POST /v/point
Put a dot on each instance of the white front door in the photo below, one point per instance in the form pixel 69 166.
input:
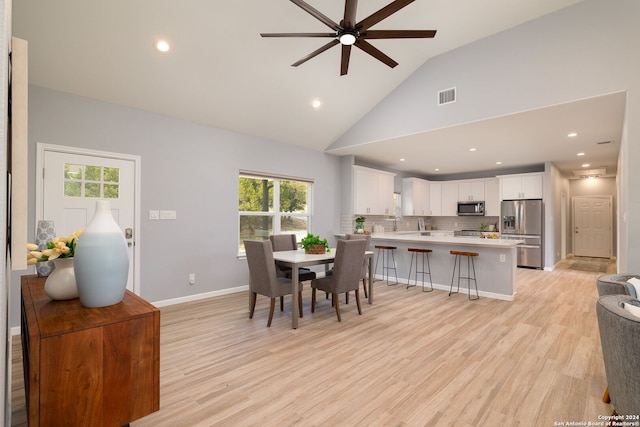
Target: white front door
pixel 73 181
pixel 592 226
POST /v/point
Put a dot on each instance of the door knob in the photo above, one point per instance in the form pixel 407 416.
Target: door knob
pixel 128 233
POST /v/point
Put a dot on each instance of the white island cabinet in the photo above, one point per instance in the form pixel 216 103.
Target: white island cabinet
pixel 495 264
pixel 373 191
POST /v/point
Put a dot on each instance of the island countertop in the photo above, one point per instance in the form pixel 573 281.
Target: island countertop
pixel 404 236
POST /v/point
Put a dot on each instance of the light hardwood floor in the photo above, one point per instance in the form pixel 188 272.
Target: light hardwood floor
pixel 411 359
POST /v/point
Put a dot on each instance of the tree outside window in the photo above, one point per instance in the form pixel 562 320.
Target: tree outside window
pixel 268 205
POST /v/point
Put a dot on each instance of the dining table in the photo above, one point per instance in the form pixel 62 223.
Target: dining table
pixel 298 258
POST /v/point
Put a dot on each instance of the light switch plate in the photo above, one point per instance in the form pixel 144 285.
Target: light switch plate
pixel 154 214
pixel 167 214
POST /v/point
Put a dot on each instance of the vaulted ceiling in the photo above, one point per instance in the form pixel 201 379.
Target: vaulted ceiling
pixel 220 72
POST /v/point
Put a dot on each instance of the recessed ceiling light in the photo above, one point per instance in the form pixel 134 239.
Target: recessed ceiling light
pixel 586 165
pixel 572 135
pixel 402 160
pixel 316 103
pixel 498 163
pixel 580 154
pixel 437 170
pixel 162 46
pixel 472 149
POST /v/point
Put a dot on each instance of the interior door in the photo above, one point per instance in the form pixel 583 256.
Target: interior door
pixel 73 182
pixel 592 226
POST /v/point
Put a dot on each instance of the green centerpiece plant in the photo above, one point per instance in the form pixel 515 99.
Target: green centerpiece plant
pixel 313 244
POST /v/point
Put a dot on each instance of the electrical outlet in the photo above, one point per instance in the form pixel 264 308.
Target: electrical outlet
pixel 503 258
pixel 192 279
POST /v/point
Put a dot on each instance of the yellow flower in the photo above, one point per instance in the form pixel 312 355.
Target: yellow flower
pixel 59 247
pixel 34 254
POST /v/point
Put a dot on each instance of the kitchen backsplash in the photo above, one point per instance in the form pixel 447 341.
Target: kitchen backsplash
pixel 410 223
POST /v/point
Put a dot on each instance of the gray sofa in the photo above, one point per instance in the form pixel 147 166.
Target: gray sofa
pixel 620 338
pixel 616 284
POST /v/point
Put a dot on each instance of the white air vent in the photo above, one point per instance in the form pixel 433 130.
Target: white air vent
pixel 590 173
pixel 447 96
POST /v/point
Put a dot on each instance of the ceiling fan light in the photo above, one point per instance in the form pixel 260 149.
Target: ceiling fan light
pixel 347 39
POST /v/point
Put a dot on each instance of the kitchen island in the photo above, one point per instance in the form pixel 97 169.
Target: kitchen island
pixel 495 264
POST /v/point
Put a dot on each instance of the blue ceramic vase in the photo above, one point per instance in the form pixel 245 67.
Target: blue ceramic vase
pixel 101 260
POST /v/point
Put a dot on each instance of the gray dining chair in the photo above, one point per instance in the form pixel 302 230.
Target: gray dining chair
pixel 363 276
pixel 288 242
pixel 263 279
pixel 347 269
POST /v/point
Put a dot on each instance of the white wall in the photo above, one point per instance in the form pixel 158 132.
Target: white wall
pixel 585 50
pixel 186 167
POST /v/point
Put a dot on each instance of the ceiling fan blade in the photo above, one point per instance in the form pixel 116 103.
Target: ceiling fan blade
pixel 398 34
pixel 317 14
pixel 298 34
pixel 316 52
pixel 346 54
pixel 376 53
pixel 350 7
pixel 383 13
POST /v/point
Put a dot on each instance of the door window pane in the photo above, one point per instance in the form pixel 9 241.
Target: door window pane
pixel 111 191
pixel 91 190
pixel 111 175
pixel 72 171
pixel 73 189
pixel 92 173
pixel 89 181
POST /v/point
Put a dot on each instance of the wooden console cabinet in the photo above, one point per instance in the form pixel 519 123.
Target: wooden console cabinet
pixel 96 367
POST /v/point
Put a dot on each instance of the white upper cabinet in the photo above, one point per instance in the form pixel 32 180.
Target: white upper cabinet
pixel 527 186
pixel 470 191
pixel 415 197
pixel 373 191
pixel 435 198
pixel 492 197
pixel 449 199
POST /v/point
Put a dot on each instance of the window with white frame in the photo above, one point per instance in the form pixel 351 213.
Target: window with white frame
pixel 269 204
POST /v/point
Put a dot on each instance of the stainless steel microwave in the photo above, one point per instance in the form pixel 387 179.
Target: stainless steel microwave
pixel 470 208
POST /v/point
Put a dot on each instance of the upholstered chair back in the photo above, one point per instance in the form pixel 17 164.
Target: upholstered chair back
pixel 620 337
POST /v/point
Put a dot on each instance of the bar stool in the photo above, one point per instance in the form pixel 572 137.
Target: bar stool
pixel 470 256
pixel 415 253
pixel 387 251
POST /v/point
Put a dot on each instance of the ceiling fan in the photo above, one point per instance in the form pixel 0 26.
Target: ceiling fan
pixel 351 33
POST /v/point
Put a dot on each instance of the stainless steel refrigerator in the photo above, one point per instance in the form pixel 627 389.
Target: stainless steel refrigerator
pixel 522 220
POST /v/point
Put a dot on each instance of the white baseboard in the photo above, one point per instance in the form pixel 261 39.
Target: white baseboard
pixel 198 297
pixel 440 287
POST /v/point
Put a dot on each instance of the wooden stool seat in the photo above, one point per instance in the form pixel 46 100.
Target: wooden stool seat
pixel 471 268
pixel 461 253
pixel 415 253
pixel 389 264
